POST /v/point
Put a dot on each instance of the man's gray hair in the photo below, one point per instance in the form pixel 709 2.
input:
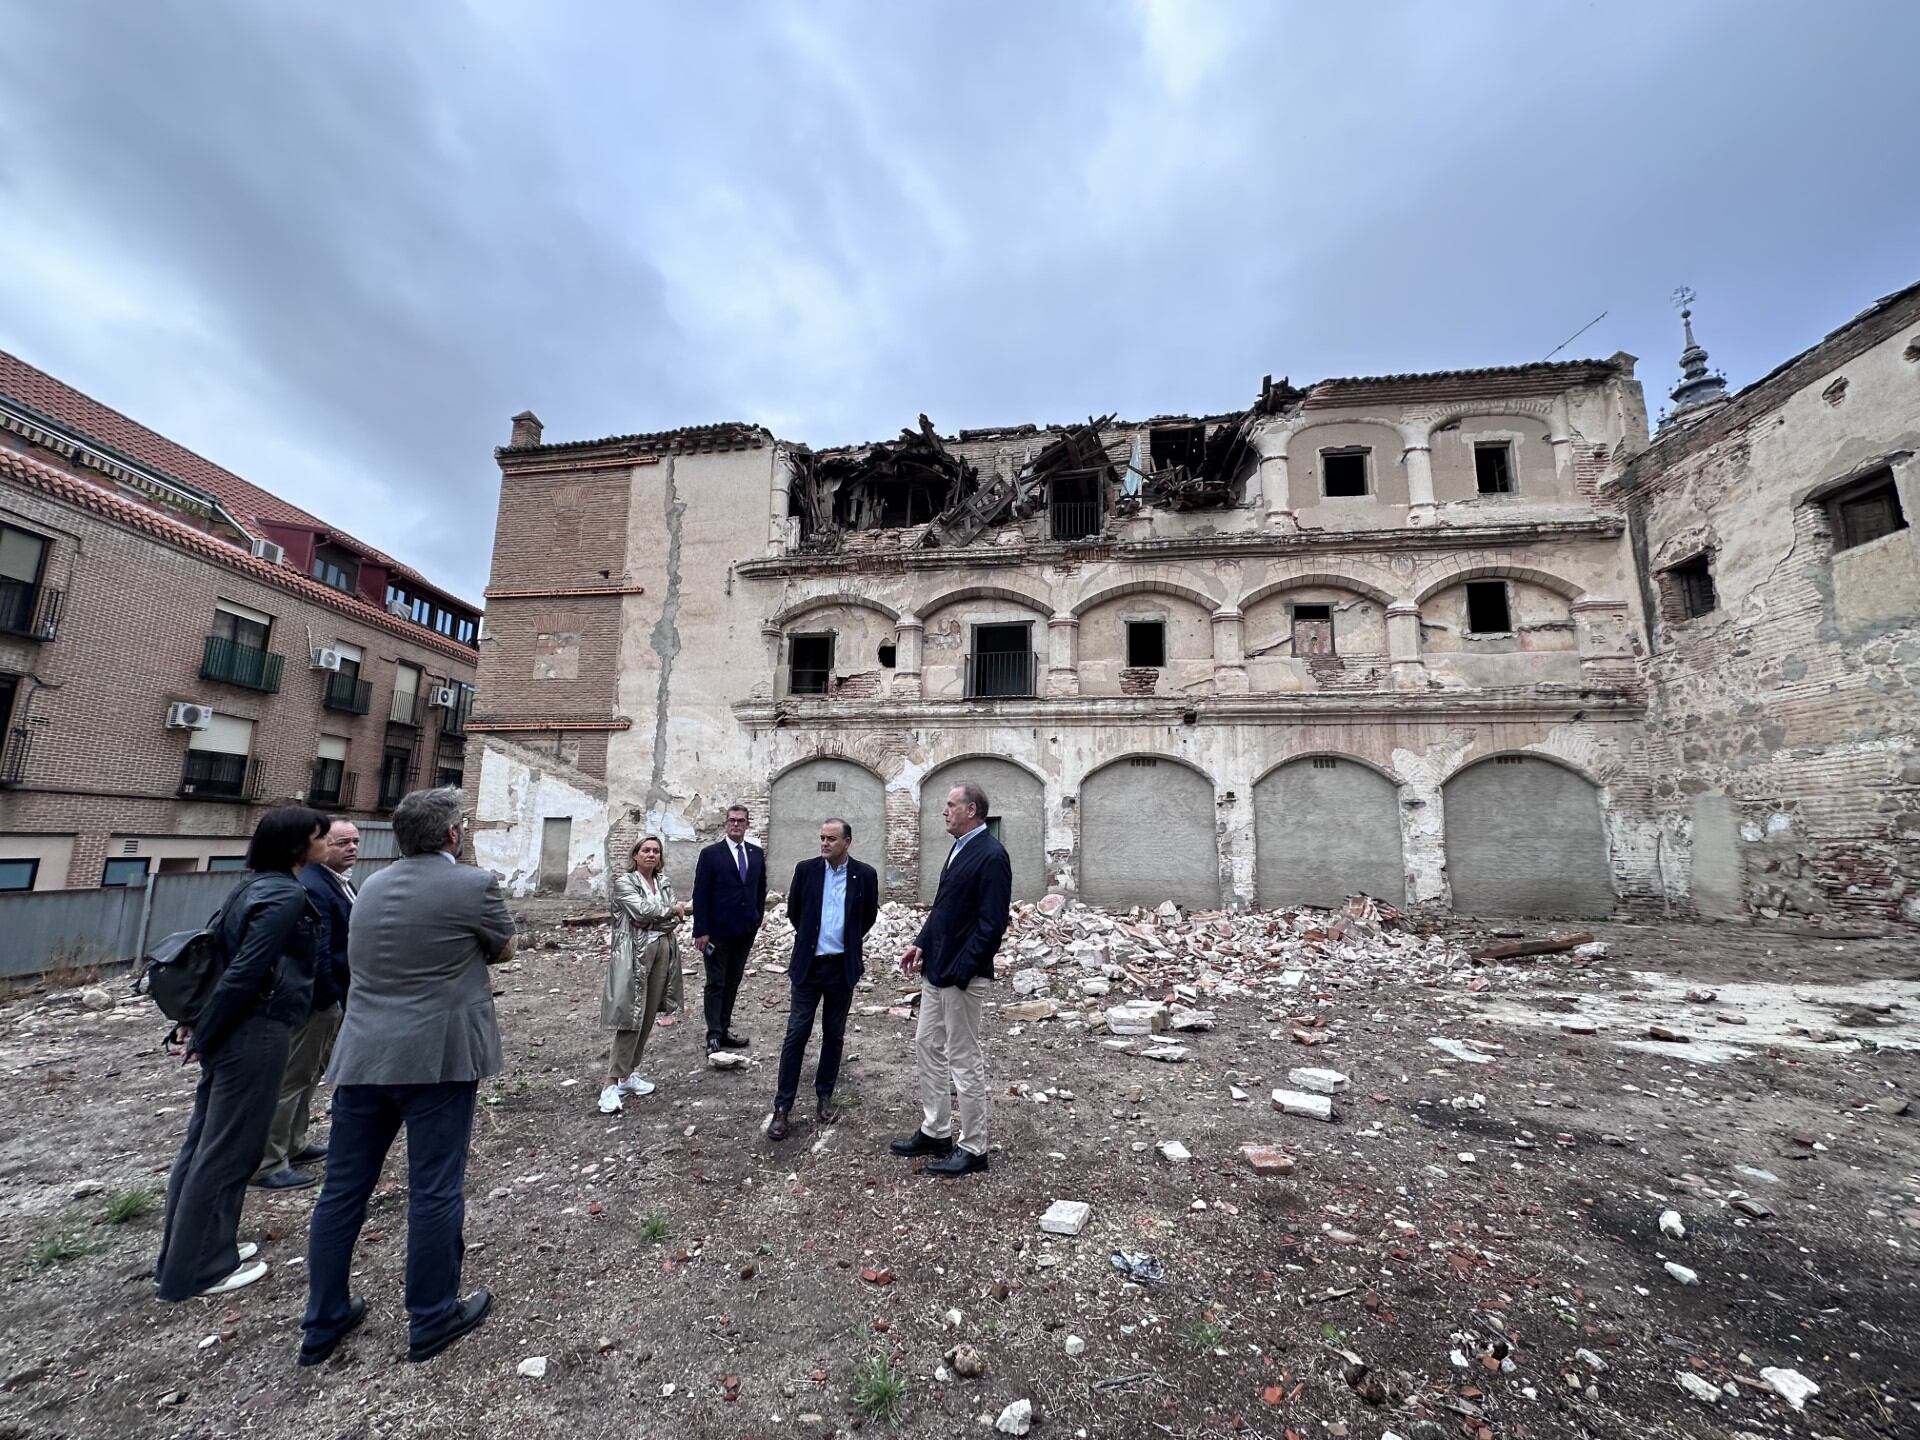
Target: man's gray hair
pixel 421 821
pixel 846 830
pixel 974 796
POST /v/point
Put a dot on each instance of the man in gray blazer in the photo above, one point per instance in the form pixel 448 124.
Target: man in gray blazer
pixel 417 1040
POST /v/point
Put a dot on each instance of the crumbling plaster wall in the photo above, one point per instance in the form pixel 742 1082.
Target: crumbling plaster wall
pixel 1784 724
pixel 516 791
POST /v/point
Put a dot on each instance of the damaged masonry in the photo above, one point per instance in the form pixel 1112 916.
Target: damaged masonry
pixel 1480 640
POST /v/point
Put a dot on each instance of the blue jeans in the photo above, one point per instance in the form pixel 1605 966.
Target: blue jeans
pixel 366 1118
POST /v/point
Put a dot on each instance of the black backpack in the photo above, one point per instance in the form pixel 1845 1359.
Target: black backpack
pixel 181 971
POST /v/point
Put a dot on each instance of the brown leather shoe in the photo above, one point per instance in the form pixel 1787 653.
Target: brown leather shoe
pixel 826 1110
pixel 777 1127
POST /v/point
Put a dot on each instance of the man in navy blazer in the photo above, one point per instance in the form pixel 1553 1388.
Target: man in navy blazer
pixel 832 903
pixel 332 893
pixel 729 899
pixel 954 955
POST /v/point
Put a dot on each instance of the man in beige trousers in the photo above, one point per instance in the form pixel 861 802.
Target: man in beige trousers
pixel 954 957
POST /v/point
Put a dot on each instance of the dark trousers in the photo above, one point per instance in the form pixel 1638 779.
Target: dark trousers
pixel 833 1002
pixel 439 1121
pixel 232 1112
pixel 724 968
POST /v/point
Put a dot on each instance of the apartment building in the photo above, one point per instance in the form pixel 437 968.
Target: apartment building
pixel 180 649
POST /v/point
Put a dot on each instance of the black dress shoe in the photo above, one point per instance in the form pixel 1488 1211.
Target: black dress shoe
pixel 733 1040
pixel 286 1178
pixel 960 1162
pixel 777 1127
pixel 308 1155
pixel 318 1354
pixel 826 1110
pixel 466 1315
pixel 921 1143
pixel 713 1044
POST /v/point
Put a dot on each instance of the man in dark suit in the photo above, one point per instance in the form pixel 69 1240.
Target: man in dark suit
pixel 954 955
pixel 729 899
pixel 287 1148
pixel 832 903
pixel 418 1037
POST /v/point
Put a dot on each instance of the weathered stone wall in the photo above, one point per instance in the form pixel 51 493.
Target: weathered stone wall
pixel 1783 724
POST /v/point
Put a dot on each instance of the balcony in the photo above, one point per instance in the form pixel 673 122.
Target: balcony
pixel 209 775
pixel 15 746
pixel 1073 519
pixel 1001 674
pixel 404 709
pixel 348 693
pixel 235 664
pixel 28 609
pixel 456 719
pixel 332 786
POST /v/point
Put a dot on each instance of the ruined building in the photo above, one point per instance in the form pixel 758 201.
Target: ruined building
pixel 1424 636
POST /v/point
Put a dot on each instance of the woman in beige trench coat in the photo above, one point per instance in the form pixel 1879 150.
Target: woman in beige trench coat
pixel 643 972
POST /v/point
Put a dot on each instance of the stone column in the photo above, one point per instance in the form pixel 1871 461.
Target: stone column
pixel 768 685
pixel 1601 634
pixel 1229 652
pixel 1560 437
pixel 909 635
pixel 1063 661
pixel 1423 840
pixel 1418 458
pixel 1403 646
pixel 1275 492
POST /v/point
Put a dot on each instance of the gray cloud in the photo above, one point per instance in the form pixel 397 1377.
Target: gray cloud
pixel 334 247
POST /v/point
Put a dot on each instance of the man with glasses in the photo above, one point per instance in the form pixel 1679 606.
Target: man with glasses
pixel 729 901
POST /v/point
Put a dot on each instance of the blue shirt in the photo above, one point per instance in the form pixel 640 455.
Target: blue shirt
pixel 833 912
pixel 960 844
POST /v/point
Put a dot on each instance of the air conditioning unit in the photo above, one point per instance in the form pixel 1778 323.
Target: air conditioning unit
pixel 324 659
pixel 182 716
pixel 444 697
pixel 268 551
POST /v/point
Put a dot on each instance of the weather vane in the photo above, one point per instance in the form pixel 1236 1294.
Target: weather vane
pixel 1683 298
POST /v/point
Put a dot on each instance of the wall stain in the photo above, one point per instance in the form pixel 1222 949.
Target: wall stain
pixel 666 641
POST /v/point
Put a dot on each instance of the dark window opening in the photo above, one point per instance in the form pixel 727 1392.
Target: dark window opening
pixel 1322 762
pixel 1002 664
pixel 1313 630
pixel 220 864
pixel 1488 612
pixel 1146 644
pixel 396 776
pixel 1690 587
pixel 992 822
pixel 125 872
pixel 1172 445
pixel 1493 468
pixel 336 567
pixel 18 874
pixel 888 655
pixel 1343 473
pixel 809 664
pixel 1865 511
pixel 1075 508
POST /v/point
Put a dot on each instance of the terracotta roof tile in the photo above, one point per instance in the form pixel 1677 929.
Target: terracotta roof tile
pixel 22 470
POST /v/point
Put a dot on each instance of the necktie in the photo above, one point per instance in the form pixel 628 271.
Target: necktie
pixel 740 854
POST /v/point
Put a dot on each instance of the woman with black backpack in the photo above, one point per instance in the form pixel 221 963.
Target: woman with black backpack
pixel 270 933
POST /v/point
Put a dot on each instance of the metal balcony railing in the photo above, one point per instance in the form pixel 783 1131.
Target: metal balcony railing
pixel 332 787
pixel 405 709
pixel 209 775
pixel 806 681
pixel 1074 519
pixel 1001 674
pixel 455 721
pixel 348 693
pixel 29 609
pixel 15 746
pixel 236 664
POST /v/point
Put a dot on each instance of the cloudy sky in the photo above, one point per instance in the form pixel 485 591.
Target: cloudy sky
pixel 333 246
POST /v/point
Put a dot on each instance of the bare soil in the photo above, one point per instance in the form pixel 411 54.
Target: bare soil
pixel 1428 1270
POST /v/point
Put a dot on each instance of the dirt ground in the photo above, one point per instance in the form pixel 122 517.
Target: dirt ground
pixel 1467 1249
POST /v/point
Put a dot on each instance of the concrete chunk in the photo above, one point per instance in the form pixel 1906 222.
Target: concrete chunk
pixel 1137 1017
pixel 1318 1081
pixel 1267 1160
pixel 1066 1217
pixel 1297 1102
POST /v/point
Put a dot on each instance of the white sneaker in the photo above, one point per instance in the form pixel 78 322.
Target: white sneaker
pixel 610 1100
pixel 241 1277
pixel 248 1251
pixel 637 1084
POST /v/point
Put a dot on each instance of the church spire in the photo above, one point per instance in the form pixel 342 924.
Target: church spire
pixel 1698 390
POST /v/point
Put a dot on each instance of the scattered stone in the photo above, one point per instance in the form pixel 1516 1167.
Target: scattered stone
pixel 727 1060
pixel 1051 905
pixel 1016 1419
pixel 966 1362
pixel 1234 1092
pixel 1066 1217
pixel 1029 982
pixel 1166 1054
pixel 1075 1347
pixel 88 1187
pixel 1589 1359
pixel 1182 1018
pixel 1267 1159
pixel 1750 1207
pixel 96 998
pixel 1031 1010
pixel 1682 1274
pixel 1174 1153
pixel 1295 1102
pixel 1662 1032
pixel 1095 985
pixel 1317 1081
pixel 1701 1390
pixel 1790 1385
pixel 534 1367
pixel 952 1319
pixel 1459 1050
pixel 1137 1017
pixel 1672 1226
